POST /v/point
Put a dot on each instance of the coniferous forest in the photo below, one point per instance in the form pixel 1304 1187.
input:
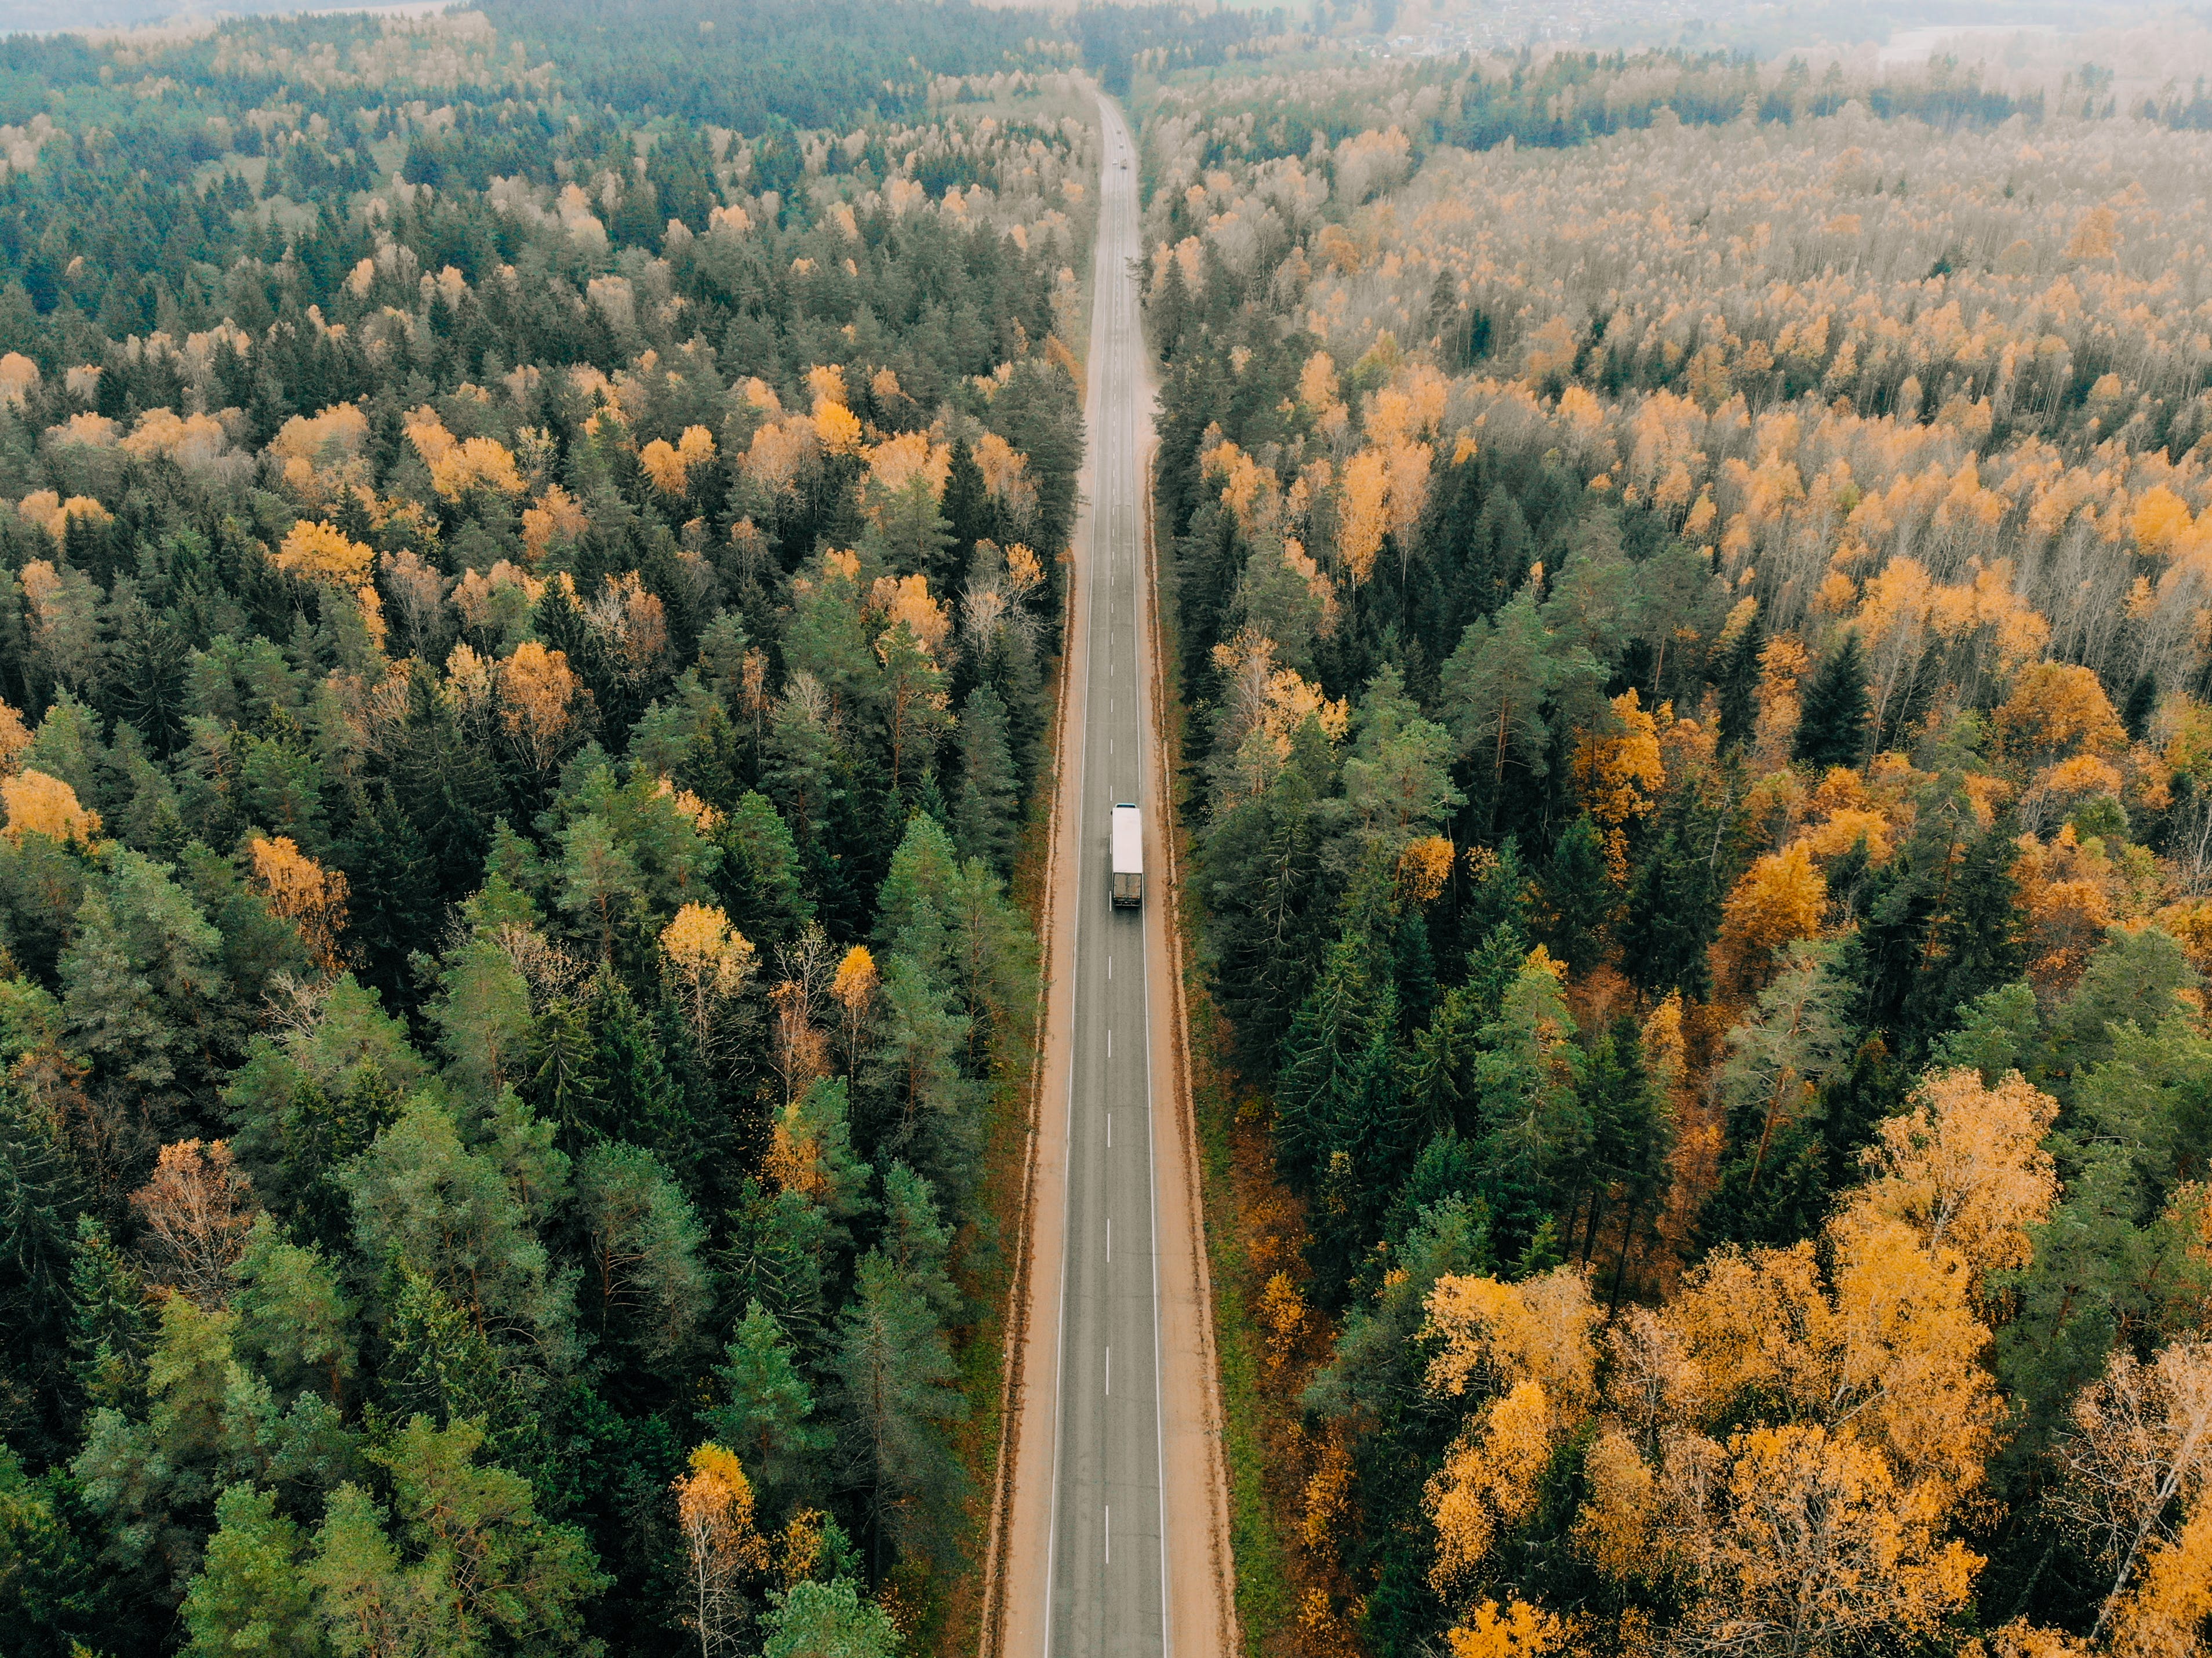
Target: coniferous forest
pixel 531 567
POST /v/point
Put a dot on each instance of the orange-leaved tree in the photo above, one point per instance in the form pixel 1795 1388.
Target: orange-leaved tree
pixel 304 893
pixel 196 1211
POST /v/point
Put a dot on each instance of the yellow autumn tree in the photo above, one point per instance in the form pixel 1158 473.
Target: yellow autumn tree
pixel 458 464
pixel 1965 1168
pixel 1525 1351
pixel 558 517
pixel 710 963
pixel 1425 866
pixel 39 804
pixel 1782 664
pixel 1779 900
pixel 541 701
pixel 853 989
pixel 14 738
pixel 1618 772
pixel 319 551
pixel 1872 1408
pixel 303 892
pixel 838 428
pixel 2069 895
pixel 1363 513
pixel 1283 1315
pixel 1819 1549
pixel 2057 710
pixel 1515 1630
pixel 670 465
pixel 2137 1494
pixel 723 1550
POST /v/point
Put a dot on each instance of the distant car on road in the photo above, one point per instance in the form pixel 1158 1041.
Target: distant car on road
pixel 1128 857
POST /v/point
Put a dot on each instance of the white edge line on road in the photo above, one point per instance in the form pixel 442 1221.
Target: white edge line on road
pixel 1151 1160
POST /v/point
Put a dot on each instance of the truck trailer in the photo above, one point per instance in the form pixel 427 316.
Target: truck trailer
pixel 1128 857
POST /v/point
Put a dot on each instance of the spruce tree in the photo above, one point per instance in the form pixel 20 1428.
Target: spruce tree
pixel 984 809
pixel 1739 685
pixel 968 519
pixel 766 1411
pixel 896 1368
pixel 2141 703
pixel 1674 911
pixel 758 879
pixel 1833 731
pixel 1578 897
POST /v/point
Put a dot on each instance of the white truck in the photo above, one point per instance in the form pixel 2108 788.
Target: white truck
pixel 1128 857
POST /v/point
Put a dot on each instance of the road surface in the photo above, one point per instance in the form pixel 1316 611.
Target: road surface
pixel 1115 1378
pixel 1109 1568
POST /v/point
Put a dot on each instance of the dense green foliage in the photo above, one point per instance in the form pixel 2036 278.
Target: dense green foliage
pixel 513 749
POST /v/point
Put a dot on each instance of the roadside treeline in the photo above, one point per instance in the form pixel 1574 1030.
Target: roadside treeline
pixel 1696 772
pixel 523 639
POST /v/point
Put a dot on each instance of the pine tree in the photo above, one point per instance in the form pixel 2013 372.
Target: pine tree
pixel 1739 678
pixel 1629 1140
pixel 2142 704
pixel 564 1083
pixel 1672 913
pixel 1320 1063
pixel 1271 886
pixel 108 1325
pixel 629 1079
pixel 252 1594
pixel 1170 307
pixel 1833 730
pixel 778 1243
pixel 143 990
pixel 1975 943
pixel 918 1240
pixel 461 1563
pixel 39 1198
pixel 644 1275
pixel 392 896
pixel 820 1620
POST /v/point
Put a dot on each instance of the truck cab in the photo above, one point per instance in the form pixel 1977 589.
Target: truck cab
pixel 1128 857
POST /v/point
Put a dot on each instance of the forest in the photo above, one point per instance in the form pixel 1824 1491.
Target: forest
pixel 531 562
pixel 1688 594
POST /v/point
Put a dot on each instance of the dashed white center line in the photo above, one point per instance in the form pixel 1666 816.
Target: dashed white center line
pixel 1109 1243
pixel 1110 1534
pixel 1110 1371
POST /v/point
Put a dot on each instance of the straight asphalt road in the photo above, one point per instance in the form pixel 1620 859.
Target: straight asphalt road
pixel 1108 1561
